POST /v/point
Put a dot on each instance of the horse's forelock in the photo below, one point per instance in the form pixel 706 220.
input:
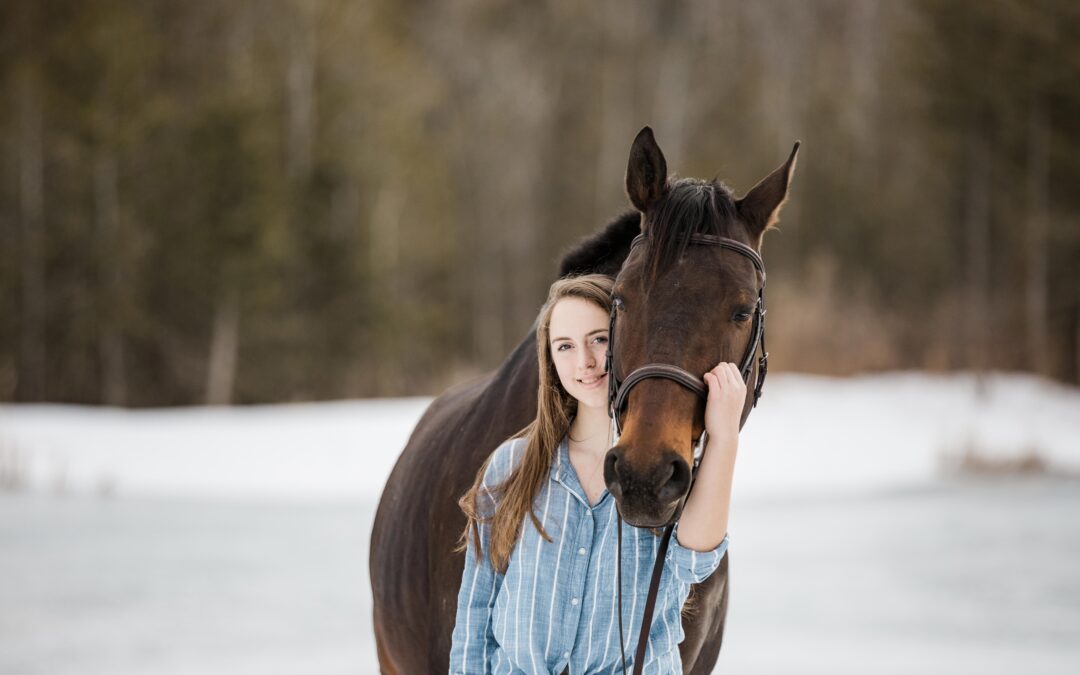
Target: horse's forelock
pixel 691 206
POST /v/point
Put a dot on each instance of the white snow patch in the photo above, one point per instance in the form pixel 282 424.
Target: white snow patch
pixel 304 451
pixel 809 435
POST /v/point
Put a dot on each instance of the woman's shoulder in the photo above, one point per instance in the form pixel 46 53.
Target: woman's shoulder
pixel 504 459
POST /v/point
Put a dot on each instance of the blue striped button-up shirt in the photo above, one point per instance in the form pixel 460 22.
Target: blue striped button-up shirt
pixel 556 605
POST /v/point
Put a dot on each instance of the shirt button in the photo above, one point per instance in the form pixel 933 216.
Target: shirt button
pixel 566 655
pixel 581 551
pixel 574 601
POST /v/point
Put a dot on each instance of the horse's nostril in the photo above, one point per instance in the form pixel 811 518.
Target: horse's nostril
pixel 611 462
pixel 611 477
pixel 664 475
pixel 674 485
pixel 665 482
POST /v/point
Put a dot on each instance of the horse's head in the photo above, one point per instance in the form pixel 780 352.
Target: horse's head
pixel 685 305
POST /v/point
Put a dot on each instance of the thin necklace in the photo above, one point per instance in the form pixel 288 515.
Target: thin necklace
pixel 576 440
pixel 580 440
pixel 607 433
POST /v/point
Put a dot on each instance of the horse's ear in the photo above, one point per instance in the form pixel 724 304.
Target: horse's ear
pixel 646 172
pixel 760 208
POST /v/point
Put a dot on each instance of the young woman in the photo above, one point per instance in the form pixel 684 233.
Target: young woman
pixel 541 597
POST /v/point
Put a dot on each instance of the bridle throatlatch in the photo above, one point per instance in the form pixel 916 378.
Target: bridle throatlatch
pixel 618 391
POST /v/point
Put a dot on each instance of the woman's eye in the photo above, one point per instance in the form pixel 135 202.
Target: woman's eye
pixel 600 339
pixel 561 345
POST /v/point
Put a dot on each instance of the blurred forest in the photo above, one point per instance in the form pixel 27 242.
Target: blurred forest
pixel 275 200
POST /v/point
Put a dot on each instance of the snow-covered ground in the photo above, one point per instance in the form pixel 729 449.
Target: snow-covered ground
pixel 235 540
pixel 809 435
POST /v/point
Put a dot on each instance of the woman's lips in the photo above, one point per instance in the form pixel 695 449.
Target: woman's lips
pixel 594 384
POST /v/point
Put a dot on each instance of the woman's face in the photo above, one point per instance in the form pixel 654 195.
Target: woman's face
pixel 578 341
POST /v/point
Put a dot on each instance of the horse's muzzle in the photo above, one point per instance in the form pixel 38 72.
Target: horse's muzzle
pixel 648 496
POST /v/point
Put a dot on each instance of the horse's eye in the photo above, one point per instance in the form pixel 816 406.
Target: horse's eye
pixel 742 316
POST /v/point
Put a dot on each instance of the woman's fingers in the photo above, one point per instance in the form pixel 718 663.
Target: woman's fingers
pixel 733 370
pixel 725 373
pixel 726 399
pixel 713 379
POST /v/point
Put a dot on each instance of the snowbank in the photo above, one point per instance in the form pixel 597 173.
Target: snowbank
pixel 809 435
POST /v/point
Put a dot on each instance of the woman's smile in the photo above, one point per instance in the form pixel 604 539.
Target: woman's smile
pixel 592 383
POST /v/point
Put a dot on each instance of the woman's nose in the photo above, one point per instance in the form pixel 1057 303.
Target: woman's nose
pixel 588 359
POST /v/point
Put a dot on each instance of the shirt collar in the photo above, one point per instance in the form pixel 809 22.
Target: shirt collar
pixel 562 457
pixel 562 472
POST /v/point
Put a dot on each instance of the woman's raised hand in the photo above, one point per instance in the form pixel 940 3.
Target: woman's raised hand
pixel 705 516
pixel 727 396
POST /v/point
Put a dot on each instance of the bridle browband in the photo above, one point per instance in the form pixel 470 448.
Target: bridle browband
pixel 619 391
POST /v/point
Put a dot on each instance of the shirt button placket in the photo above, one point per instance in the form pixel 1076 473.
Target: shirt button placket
pixel 581 574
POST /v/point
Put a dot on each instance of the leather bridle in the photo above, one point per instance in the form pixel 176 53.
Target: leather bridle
pixel 618 391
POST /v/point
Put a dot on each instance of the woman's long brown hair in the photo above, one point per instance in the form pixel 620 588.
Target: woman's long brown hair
pixel 555 408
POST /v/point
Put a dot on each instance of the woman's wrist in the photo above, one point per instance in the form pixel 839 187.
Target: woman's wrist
pixel 723 442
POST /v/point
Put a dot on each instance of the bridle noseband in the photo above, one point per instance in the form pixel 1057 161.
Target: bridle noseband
pixel 618 391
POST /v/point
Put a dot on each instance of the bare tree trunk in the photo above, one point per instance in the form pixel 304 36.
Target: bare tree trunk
pixel 300 96
pixel 224 349
pixel 242 59
pixel 384 249
pixel 865 58
pixel 32 385
pixel 385 231
pixel 676 54
pixel 520 204
pixel 1037 214
pixel 620 26
pixel 345 212
pixel 111 265
pixel 521 235
pixel 977 250
pixel 488 295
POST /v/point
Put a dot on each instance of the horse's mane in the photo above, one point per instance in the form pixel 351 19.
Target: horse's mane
pixel 697 206
pixel 605 251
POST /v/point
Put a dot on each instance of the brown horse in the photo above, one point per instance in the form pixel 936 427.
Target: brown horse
pixel 684 305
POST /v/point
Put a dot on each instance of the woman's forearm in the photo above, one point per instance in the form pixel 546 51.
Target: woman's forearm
pixel 704 519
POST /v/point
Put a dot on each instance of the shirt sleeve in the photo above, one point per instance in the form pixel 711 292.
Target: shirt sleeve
pixel 692 566
pixel 473 640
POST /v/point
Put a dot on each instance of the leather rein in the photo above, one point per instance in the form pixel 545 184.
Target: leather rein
pixel 618 391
